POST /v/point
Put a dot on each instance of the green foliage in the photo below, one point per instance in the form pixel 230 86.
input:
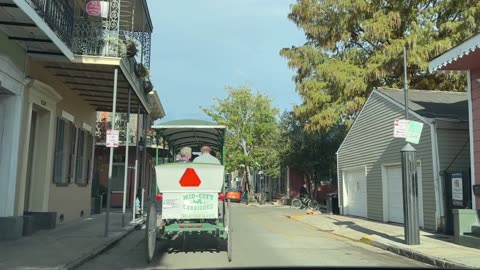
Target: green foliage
pixel 354 46
pixel 311 152
pixel 252 130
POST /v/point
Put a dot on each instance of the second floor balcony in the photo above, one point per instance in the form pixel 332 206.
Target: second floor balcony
pixel 119 36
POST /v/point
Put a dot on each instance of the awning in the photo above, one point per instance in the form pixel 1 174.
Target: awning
pixel 192 133
pixel 462 57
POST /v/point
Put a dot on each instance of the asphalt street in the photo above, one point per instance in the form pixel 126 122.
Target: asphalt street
pixel 262 237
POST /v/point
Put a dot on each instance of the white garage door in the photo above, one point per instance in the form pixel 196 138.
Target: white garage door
pixel 355 187
pixel 395 194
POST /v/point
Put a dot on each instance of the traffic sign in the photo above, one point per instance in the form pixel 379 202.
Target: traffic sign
pixel 112 138
pixel 190 178
pixel 414 131
pixel 97 8
pixel 400 128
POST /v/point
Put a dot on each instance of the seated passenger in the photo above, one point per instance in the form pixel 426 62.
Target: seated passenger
pixel 185 154
pixel 206 157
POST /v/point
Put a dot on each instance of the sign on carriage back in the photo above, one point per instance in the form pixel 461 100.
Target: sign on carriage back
pixel 190 178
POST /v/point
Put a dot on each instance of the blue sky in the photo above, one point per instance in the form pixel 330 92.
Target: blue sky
pixel 201 46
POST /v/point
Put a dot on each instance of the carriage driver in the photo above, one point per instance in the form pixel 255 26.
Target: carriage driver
pixel 206 157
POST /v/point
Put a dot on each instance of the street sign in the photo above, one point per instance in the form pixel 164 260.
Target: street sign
pixel 410 130
pixel 400 128
pixel 414 131
pixel 97 8
pixel 112 138
pixel 190 178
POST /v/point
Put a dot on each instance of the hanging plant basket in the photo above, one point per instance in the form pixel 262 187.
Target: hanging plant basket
pixel 141 71
pixel 147 86
pixel 131 47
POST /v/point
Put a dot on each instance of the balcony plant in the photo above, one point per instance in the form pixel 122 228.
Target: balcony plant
pixel 131 48
pixel 118 46
pixel 141 71
pixel 147 86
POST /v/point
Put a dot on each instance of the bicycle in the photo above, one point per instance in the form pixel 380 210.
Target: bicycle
pixel 304 203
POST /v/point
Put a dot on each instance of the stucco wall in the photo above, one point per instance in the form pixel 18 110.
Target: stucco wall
pixel 72 199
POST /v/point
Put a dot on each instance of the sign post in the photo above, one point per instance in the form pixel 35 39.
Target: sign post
pixel 409 171
pixel 112 140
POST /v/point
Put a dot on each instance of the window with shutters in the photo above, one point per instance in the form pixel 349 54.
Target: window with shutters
pixel 84 157
pixel 64 161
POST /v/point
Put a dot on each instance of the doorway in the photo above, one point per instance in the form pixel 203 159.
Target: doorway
pixel 35 183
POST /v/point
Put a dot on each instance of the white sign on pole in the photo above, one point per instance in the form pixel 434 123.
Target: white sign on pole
pixel 400 128
pixel 414 131
pixel 112 138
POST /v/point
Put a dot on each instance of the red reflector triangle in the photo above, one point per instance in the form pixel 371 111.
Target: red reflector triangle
pixel 190 178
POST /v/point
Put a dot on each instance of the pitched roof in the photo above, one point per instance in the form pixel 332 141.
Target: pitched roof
pixel 432 104
pixel 470 45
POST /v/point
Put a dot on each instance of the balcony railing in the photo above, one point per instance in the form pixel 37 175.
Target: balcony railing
pixel 58 14
pixel 91 38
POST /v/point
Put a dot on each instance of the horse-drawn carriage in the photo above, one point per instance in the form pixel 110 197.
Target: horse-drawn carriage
pixel 190 197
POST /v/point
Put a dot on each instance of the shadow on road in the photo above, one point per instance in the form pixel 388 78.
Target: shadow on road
pixel 196 243
pixel 353 226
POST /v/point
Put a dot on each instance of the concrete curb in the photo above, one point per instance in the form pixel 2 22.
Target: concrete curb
pixel 415 255
pixel 100 249
pixel 411 254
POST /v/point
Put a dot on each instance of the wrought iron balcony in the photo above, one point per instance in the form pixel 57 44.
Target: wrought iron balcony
pixel 58 14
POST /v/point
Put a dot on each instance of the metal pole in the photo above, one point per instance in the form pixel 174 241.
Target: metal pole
pixel 405 82
pixel 125 177
pixel 135 191
pixel 134 197
pixel 156 150
pixel 110 162
pixel 143 199
pixel 410 195
pixel 144 165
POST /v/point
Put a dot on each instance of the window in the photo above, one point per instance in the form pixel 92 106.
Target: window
pixel 64 161
pixel 84 157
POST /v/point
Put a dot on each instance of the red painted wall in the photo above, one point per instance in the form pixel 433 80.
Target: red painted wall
pixel 102 155
pixel 296 179
pixel 475 75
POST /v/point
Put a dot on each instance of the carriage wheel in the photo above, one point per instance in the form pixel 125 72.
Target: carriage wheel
pixel 151 231
pixel 228 230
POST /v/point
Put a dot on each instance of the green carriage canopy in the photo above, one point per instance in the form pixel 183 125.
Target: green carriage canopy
pixel 191 133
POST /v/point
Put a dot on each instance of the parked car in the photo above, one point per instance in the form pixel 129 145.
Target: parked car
pixel 234 194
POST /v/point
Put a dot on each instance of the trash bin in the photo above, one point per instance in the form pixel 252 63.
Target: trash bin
pixel 332 203
pixel 329 205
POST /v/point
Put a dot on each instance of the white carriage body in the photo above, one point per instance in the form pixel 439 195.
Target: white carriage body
pixel 189 202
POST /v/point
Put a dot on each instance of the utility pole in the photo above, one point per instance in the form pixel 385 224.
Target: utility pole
pixel 409 179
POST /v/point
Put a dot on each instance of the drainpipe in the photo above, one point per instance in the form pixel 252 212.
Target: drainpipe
pixel 472 145
pixel 339 187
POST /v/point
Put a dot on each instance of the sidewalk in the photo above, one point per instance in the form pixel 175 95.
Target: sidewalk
pixel 65 247
pixel 435 249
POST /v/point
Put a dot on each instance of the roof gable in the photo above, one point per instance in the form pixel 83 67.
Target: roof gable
pixel 432 104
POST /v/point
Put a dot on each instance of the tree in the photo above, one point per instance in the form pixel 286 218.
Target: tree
pixel 354 46
pixel 252 130
pixel 313 153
